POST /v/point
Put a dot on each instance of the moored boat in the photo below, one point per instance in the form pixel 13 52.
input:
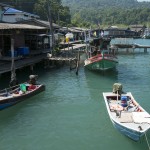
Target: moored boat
pixel 13 95
pixel 126 114
pixel 101 62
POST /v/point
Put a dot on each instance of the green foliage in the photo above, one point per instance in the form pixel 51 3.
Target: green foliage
pixel 60 14
pixel 108 12
pixel 86 13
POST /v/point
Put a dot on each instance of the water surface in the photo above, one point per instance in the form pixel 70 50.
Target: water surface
pixel 71 113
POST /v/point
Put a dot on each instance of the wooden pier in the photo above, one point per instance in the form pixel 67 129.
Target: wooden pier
pixel 32 60
pixel 130 46
pixel 71 55
pixel 118 48
pixel 126 43
pixel 74 47
pixel 5 62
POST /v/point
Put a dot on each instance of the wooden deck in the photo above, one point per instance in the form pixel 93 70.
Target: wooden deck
pixel 62 58
pixel 33 58
pixel 130 46
pixel 74 47
pixel 5 62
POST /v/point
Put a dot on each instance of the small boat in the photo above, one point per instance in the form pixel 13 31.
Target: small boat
pixel 126 113
pixel 101 62
pixel 18 93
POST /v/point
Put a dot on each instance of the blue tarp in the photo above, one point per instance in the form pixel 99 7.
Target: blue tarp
pixel 12 10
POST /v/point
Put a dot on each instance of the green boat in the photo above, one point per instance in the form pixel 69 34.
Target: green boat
pixel 101 62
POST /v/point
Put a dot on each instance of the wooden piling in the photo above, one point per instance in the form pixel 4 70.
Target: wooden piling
pixel 77 66
pixel 145 50
pixel 32 68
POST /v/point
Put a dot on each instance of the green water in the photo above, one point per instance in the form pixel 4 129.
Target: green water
pixel 71 113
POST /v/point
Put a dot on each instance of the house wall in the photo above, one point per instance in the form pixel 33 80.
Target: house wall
pixel 19 40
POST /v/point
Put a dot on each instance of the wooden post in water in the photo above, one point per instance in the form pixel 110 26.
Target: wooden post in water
pixel 31 67
pixel 145 50
pixel 78 59
pixel 13 80
pixel 127 50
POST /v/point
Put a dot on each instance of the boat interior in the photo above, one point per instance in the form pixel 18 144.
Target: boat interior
pixel 124 109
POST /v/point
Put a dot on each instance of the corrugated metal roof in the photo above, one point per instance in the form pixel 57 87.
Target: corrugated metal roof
pixel 15 11
pixel 4 26
pixel 47 23
pixel 40 22
pixel 12 10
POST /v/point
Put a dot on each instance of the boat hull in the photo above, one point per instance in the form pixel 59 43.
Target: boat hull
pixel 132 134
pixel 12 100
pixel 102 65
pixel 128 120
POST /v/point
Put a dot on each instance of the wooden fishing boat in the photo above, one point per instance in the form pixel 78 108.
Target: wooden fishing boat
pixel 18 92
pixel 126 114
pixel 13 95
pixel 101 62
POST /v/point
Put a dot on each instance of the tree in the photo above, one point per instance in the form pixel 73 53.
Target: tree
pixel 59 13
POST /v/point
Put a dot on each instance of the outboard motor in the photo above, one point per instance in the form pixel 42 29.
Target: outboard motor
pixel 117 88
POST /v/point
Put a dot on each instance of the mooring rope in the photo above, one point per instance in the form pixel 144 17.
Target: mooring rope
pixel 147 141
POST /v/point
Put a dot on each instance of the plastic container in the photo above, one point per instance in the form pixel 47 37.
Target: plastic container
pixel 23 87
pixel 124 100
pixel 23 51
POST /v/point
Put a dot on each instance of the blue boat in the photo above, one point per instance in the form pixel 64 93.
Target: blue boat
pixel 15 94
pixel 126 114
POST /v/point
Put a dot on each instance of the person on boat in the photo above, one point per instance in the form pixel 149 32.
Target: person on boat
pixel 33 79
pixel 94 53
pixel 32 82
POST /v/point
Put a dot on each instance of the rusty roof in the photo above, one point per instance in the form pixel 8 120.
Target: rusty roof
pixel 5 26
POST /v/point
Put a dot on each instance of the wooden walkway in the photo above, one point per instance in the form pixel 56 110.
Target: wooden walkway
pixel 79 47
pixel 62 58
pixel 21 62
pixel 127 43
pixel 5 64
pixel 130 46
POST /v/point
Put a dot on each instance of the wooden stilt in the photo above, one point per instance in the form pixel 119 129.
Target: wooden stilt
pixel 145 50
pixel 77 66
pixel 31 68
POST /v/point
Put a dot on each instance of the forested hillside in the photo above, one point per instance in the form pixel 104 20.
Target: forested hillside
pixel 108 12
pixel 88 12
